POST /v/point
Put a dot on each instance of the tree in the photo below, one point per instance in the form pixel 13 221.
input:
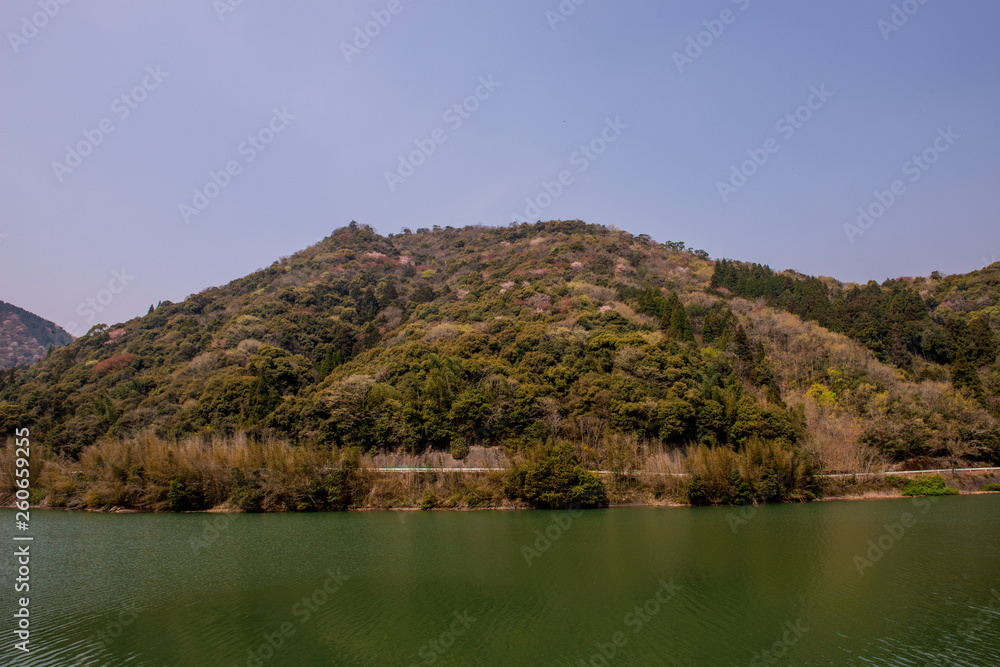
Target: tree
pixel 744 355
pixel 982 344
pixel 965 376
pixel 675 321
pixel 554 479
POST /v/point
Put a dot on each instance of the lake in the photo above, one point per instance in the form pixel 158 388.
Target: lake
pixel 880 582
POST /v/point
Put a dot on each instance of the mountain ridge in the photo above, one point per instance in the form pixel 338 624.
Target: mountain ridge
pixel 25 337
pixel 450 338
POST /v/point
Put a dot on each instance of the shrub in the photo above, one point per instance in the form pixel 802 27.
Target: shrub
pixel 991 487
pixel 180 498
pixel 762 472
pixel 429 502
pixel 177 496
pixel 697 494
pixel 554 479
pixel 930 486
pixel 246 496
pixel 459 448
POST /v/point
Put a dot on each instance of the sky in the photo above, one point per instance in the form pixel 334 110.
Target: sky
pixel 151 150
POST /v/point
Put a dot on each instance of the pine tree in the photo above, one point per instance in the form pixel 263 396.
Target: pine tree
pixel 964 375
pixel 262 400
pixel 675 321
pixel 744 355
pixel 982 345
pixel 680 326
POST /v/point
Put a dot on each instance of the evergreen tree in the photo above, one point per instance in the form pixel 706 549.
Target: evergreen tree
pixel 964 375
pixel 982 344
pixel 263 399
pixel 744 355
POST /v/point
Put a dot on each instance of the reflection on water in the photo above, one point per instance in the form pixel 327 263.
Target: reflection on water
pixel 896 582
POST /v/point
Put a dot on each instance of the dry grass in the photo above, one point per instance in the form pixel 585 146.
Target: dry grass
pixel 138 473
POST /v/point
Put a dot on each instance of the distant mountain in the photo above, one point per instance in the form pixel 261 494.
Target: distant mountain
pixel 25 337
pixel 556 331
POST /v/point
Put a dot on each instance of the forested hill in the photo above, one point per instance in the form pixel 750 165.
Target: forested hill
pixel 25 337
pixel 565 331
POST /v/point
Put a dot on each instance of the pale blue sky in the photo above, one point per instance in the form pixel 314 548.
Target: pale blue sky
pixel 551 90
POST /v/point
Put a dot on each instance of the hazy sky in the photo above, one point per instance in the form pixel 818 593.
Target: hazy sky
pixel 114 113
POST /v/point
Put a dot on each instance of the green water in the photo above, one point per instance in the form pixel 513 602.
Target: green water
pixel 672 586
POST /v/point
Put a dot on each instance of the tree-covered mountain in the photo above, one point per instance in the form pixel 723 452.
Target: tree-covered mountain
pixel 559 332
pixel 25 337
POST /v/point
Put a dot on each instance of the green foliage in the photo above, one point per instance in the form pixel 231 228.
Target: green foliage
pixel 428 502
pixel 696 492
pixel 928 486
pixel 554 479
pixel 991 487
pixel 459 448
pixel 246 493
pixel 762 472
pixel 453 338
pixel 180 498
pixel 895 320
pixel 177 496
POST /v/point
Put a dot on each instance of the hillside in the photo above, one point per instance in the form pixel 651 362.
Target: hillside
pixel 629 350
pixel 25 337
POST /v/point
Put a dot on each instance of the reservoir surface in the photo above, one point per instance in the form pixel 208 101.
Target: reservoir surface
pixel 905 582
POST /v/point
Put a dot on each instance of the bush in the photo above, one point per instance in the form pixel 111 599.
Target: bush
pixel 931 486
pixel 697 494
pixel 459 448
pixel 991 487
pixel 246 496
pixel 182 499
pixel 762 472
pixel 177 497
pixel 429 502
pixel 554 479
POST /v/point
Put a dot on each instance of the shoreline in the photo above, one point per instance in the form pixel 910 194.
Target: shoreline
pixel 370 489
pixel 848 497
